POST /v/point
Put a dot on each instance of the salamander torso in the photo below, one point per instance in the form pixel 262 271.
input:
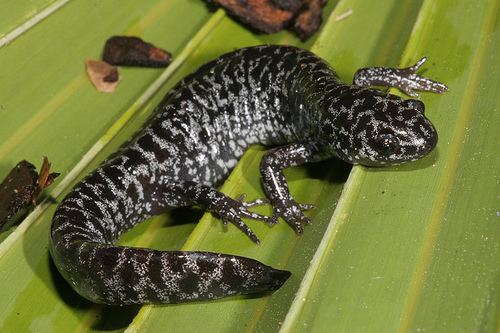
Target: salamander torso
pixel 279 96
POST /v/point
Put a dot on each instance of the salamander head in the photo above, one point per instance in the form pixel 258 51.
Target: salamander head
pixel 378 130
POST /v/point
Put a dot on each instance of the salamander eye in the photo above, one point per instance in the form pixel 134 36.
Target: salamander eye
pixel 387 142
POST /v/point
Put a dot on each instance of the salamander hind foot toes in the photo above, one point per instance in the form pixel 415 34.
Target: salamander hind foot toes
pixel 293 213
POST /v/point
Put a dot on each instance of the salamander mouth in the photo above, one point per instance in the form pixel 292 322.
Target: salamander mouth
pixel 393 150
pixel 430 138
pixel 414 151
pixel 416 144
pixel 431 144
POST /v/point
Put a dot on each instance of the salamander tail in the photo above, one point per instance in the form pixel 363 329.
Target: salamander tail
pixel 115 275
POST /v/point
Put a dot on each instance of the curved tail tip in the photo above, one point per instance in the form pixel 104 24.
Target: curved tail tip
pixel 277 278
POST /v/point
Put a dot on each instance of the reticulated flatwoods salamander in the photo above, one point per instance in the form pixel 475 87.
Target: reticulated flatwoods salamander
pixel 278 96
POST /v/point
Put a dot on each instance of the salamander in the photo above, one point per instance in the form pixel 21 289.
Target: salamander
pixel 278 96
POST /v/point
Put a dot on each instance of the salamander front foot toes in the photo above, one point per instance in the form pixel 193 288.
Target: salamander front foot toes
pixel 306 206
pixel 253 203
pixel 234 210
pixel 405 79
pixel 411 81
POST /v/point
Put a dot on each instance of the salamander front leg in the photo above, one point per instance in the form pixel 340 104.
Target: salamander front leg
pixel 405 79
pixel 275 185
pixel 228 209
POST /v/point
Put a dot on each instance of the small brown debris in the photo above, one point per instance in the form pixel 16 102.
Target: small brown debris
pixel 113 76
pixel 45 179
pixel 133 51
pixel 102 75
pixel 21 187
pixel 269 16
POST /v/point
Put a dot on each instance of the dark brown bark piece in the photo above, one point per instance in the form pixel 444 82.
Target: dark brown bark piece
pixel 270 16
pixel 309 20
pixel 21 187
pixel 290 5
pixel 133 51
pixel 16 190
pixel 260 15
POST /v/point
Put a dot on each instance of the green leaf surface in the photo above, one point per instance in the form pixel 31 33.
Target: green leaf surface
pixel 429 232
pixel 18 16
pixel 404 249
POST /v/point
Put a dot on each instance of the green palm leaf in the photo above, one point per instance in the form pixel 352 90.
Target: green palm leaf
pixel 407 249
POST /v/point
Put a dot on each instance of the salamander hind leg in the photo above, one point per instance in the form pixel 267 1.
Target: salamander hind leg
pixel 230 210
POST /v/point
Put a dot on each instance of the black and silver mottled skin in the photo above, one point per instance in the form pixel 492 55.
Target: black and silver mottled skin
pixel 406 79
pixel 279 96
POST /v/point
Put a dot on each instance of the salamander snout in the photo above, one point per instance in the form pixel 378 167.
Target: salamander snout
pixel 404 145
pixel 420 134
pixel 406 136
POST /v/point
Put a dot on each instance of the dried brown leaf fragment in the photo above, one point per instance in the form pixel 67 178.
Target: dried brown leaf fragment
pixel 102 75
pixel 45 178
